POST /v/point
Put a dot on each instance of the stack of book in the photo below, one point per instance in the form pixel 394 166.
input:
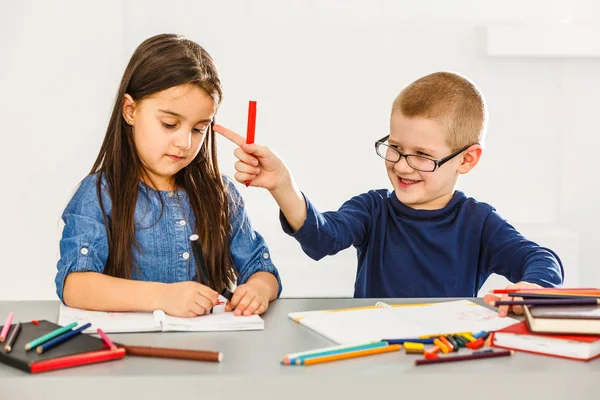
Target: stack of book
pixel 558 322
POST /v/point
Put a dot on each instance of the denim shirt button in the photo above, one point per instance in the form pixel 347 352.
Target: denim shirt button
pixel 170 194
pixel 266 256
pixel 182 223
pixel 84 251
pixel 185 255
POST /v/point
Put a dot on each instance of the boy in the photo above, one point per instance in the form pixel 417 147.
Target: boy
pixel 423 239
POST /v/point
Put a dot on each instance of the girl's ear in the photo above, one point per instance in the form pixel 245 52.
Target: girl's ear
pixel 128 109
pixel 470 158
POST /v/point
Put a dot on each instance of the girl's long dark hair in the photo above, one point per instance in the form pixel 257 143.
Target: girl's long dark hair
pixel 159 63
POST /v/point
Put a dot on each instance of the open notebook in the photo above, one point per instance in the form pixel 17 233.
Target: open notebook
pixel 383 321
pixel 157 321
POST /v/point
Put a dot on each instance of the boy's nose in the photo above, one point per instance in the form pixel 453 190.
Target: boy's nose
pixel 402 166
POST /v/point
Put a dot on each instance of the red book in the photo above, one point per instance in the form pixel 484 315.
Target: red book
pixel 574 347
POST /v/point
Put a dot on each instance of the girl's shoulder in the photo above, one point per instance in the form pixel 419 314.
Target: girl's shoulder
pixel 86 195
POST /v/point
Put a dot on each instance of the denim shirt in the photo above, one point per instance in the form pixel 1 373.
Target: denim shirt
pixel 165 254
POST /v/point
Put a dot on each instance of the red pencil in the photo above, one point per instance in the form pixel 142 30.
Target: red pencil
pixel 77 359
pixel 251 125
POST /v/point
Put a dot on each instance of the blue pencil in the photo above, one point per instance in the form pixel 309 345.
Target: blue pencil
pixel 65 336
pixel 412 340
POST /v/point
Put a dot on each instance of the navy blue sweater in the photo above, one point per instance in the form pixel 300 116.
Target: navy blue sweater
pixel 403 252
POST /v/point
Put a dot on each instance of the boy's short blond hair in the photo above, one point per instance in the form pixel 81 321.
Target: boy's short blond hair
pixel 451 99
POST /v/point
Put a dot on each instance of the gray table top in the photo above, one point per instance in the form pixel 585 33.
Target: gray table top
pixel 251 367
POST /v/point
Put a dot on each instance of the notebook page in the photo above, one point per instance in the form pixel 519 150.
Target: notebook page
pixel 359 326
pixel 455 316
pixel 219 320
pixel 109 322
pixel 363 325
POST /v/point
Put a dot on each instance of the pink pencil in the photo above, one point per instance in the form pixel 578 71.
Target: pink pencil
pixel 108 342
pixel 7 324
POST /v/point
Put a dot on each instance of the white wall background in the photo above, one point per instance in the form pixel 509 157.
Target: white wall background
pixel 324 73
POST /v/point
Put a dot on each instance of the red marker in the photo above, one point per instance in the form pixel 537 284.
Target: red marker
pixel 251 125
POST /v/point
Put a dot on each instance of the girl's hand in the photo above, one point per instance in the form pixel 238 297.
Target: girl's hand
pixel 257 164
pixel 503 310
pixel 250 298
pixel 187 299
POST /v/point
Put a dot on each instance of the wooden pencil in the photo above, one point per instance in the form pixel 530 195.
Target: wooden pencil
pixel 466 357
pixel 162 352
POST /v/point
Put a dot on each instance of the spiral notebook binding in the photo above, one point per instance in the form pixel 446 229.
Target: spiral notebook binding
pixel 381 304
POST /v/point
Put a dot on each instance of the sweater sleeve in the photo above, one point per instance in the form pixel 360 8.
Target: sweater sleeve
pixel 506 252
pixel 330 232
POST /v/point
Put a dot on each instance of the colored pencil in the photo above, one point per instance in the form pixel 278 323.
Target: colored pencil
pixel 59 339
pixel 13 337
pixel 48 336
pixel 546 295
pixel 106 340
pixel 548 302
pixel 161 352
pixel 323 349
pixel 466 357
pixel 6 326
pixel 76 359
pixel 251 128
pixel 353 354
pixel 301 359
pixel 412 340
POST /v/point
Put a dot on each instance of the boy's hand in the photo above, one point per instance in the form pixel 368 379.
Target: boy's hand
pixel 257 164
pixel 503 310
pixel 250 298
pixel 187 299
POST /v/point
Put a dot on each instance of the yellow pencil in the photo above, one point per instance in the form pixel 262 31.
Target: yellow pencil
pixel 354 354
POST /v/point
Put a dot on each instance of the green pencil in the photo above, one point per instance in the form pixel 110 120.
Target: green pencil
pixel 34 343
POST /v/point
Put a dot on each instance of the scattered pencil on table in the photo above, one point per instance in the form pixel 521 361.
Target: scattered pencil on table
pixel 336 353
pixel 12 338
pixel 300 359
pixel 62 338
pixel 414 348
pixel 548 302
pixel 43 339
pixel 182 354
pixel 6 328
pixel 106 340
pixel 76 360
pixel 353 354
pixel 473 356
pixel 546 295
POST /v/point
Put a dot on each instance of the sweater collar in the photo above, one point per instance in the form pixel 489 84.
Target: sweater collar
pixel 403 210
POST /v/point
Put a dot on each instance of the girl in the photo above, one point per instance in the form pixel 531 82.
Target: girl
pixel 125 245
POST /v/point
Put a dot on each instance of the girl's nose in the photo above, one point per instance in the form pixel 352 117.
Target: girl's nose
pixel 184 141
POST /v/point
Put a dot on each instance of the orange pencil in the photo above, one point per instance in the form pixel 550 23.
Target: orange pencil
pixel 344 356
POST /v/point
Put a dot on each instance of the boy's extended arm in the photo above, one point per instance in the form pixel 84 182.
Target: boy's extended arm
pixel 506 252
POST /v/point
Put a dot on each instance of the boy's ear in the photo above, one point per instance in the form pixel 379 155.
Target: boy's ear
pixel 470 158
pixel 128 110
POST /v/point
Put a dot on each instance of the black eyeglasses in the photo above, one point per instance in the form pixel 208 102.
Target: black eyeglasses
pixel 391 153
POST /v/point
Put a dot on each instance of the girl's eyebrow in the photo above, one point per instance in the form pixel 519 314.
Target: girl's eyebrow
pixel 173 113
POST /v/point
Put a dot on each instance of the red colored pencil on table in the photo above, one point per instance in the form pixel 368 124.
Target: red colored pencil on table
pixel 77 359
pixel 251 126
